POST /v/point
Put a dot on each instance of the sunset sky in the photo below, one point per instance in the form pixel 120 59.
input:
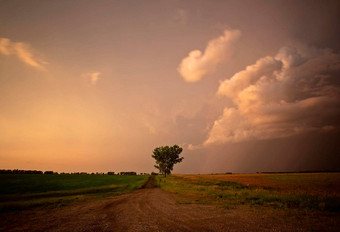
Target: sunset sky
pixel 242 86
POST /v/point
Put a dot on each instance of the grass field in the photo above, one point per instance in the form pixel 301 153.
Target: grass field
pixel 19 191
pixel 316 191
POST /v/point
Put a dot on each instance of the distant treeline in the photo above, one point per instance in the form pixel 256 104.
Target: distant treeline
pixel 17 171
pixel 224 173
pixel 324 171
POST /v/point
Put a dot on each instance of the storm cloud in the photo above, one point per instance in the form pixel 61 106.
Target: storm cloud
pixel 294 92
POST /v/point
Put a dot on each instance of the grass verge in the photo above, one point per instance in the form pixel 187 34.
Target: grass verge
pixel 230 194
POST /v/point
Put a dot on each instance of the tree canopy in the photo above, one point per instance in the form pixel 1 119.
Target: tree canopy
pixel 166 157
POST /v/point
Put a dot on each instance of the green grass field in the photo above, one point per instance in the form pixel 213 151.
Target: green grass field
pixel 300 191
pixel 19 191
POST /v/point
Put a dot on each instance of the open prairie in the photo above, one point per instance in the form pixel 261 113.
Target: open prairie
pixel 242 202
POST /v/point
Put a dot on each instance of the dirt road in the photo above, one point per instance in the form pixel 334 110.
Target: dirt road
pixel 151 209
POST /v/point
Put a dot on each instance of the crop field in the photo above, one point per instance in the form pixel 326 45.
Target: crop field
pixel 18 191
pixel 315 191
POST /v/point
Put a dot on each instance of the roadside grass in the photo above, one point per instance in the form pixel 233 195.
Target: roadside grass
pixel 206 189
pixel 31 190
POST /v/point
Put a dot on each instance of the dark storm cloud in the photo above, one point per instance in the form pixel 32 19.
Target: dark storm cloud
pixel 293 93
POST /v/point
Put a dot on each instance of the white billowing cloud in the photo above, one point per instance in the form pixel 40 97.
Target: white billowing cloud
pixel 241 80
pixel 22 51
pixel 197 64
pixel 93 76
pixel 292 93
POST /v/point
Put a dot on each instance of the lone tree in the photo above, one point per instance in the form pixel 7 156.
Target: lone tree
pixel 166 157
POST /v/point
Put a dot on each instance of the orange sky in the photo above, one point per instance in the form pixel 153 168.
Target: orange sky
pixel 242 86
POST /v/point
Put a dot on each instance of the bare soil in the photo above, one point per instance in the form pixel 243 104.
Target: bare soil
pixel 151 209
pixel 317 184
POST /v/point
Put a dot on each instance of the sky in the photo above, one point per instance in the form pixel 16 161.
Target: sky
pixel 242 86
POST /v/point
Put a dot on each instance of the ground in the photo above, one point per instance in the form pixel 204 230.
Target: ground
pixel 152 209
